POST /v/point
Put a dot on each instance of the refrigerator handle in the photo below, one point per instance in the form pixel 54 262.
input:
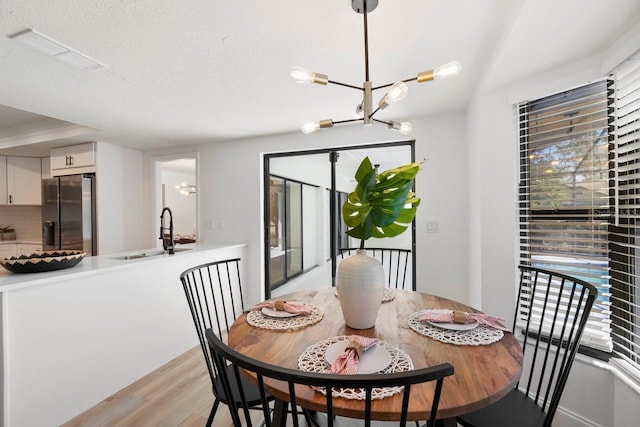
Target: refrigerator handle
pixel 49 233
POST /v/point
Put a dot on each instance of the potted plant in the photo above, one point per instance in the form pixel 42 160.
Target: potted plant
pixel 7 233
pixel 382 205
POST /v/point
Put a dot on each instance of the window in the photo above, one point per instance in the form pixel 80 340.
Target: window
pixel 564 193
pixel 625 230
pixel 579 200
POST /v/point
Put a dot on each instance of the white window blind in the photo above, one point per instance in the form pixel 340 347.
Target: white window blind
pixel 565 195
pixel 625 233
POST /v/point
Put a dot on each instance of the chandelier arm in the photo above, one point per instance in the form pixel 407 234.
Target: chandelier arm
pixel 344 84
pixel 382 121
pixel 347 121
pixel 412 79
pixel 376 110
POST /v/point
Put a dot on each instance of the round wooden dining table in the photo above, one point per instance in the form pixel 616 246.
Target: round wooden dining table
pixel 483 373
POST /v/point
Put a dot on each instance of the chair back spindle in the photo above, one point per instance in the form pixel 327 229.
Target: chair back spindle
pixel 396 263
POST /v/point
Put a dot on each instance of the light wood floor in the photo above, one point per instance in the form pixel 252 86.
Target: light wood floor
pixel 177 394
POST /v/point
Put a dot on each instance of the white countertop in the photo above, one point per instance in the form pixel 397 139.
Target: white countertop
pixel 97 264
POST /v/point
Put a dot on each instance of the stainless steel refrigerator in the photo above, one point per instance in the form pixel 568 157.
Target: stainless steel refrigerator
pixel 68 213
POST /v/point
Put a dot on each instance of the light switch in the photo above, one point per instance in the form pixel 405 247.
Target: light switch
pixel 432 227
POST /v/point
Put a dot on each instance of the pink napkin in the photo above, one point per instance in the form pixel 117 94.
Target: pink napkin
pixel 347 362
pixel 292 307
pixel 449 316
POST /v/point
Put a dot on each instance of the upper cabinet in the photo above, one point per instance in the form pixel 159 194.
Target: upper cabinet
pixel 23 184
pixel 73 159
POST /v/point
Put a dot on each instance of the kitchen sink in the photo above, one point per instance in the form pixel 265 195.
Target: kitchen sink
pixel 148 254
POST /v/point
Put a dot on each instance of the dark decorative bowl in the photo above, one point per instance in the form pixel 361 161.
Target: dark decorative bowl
pixel 42 261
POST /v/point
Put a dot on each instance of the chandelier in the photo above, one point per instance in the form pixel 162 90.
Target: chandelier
pixel 186 189
pixel 396 92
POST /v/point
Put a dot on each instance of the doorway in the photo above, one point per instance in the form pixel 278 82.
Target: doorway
pixel 303 227
pixel 176 187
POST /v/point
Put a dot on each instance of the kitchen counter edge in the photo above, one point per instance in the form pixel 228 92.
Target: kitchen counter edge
pixel 96 265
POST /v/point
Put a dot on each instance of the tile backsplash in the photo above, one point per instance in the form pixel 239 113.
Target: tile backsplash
pixel 26 220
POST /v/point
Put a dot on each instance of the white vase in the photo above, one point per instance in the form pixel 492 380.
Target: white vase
pixel 360 285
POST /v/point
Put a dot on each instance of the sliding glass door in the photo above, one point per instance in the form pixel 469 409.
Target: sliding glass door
pixel 286 228
pixel 304 231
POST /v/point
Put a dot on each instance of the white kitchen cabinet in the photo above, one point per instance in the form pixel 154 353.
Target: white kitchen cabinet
pixel 24 181
pixel 3 181
pixel 73 159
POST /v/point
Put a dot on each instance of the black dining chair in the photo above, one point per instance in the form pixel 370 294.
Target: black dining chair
pixel 223 354
pixel 214 294
pixel 396 263
pixel 551 313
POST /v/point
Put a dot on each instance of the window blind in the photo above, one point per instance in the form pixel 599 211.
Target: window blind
pixel 625 232
pixel 565 196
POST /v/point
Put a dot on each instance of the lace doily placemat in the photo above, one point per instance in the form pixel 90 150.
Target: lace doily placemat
pixel 481 335
pixel 259 320
pixel 388 295
pixel 313 360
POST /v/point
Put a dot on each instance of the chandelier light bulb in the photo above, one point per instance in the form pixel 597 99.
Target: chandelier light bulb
pixel 447 70
pixel 404 128
pixel 301 75
pixel 397 92
pixel 310 127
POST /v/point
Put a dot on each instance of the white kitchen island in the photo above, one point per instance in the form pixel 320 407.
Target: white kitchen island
pixel 71 338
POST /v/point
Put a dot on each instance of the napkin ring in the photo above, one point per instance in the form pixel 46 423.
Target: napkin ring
pixel 459 317
pixel 279 305
pixel 355 346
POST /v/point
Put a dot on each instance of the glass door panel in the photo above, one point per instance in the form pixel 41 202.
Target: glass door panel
pixel 276 231
pixel 294 228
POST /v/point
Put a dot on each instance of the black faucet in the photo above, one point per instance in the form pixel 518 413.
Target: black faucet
pixel 167 245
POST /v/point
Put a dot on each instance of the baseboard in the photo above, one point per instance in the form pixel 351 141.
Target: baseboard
pixel 567 418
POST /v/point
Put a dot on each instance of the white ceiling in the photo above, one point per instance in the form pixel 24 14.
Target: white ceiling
pixel 182 72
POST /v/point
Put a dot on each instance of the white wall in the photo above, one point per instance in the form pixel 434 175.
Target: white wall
pixel 492 182
pixel 230 187
pixel 120 199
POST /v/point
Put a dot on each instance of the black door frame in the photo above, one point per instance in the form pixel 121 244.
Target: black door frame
pixel 333 153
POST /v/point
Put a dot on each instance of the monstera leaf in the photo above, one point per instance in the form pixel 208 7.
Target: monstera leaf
pixel 382 205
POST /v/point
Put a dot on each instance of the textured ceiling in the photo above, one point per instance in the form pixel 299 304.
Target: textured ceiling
pixel 182 72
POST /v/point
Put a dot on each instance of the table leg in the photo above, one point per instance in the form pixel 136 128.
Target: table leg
pixel 279 413
pixel 447 422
